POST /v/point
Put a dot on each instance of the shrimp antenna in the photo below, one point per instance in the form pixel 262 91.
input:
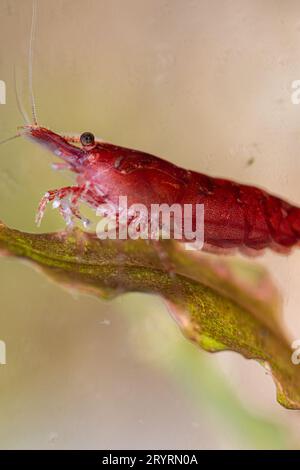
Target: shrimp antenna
pixel 10 138
pixel 19 103
pixel 30 57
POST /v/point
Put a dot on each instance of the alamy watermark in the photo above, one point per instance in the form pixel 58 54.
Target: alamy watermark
pixel 2 92
pixel 295 357
pixel 180 222
pixel 2 353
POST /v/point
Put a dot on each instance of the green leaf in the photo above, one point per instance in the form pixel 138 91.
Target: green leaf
pixel 219 303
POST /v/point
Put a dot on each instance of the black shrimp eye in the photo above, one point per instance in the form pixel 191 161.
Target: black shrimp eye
pixel 87 138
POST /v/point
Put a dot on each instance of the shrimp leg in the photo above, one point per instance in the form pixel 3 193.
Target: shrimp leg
pixel 67 200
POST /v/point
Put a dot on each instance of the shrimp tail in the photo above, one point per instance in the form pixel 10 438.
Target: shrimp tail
pixel 284 223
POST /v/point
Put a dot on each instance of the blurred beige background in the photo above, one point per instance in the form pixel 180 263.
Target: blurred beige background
pixel 207 85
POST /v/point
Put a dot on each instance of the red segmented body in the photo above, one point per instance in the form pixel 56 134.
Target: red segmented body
pixel 236 215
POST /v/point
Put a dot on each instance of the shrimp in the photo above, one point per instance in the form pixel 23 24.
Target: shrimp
pixel 237 216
